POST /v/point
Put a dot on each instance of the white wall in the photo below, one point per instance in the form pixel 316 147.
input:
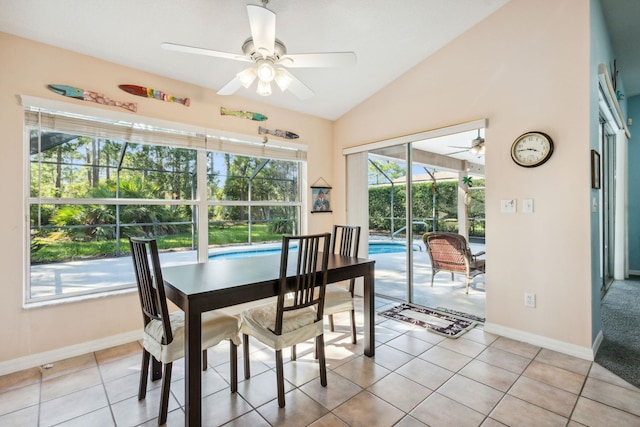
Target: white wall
pixel 524 68
pixel 27 68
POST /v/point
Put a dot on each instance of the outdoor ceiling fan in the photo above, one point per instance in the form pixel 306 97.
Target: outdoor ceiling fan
pixel 269 58
pixel 477 146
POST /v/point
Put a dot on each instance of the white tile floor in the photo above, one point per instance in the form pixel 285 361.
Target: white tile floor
pixel 417 378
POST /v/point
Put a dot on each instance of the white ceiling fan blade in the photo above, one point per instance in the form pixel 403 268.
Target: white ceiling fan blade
pixel 457 152
pixel 319 60
pixel 202 51
pixel 296 87
pixel 263 28
pixel 231 87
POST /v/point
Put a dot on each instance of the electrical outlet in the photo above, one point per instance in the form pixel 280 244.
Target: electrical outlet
pixel 529 300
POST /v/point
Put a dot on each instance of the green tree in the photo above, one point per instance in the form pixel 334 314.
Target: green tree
pixel 381 171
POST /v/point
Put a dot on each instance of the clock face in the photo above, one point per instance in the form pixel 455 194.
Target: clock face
pixel 532 149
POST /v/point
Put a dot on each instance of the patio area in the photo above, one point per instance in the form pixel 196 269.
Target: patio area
pixel 391 276
pixel 117 273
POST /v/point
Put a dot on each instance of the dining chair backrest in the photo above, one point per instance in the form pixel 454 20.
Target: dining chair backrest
pixel 347 240
pixel 308 275
pixel 150 284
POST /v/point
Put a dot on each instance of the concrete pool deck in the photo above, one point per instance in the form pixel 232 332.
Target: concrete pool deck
pixel 84 276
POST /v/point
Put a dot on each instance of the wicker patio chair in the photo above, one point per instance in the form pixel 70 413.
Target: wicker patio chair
pixel 450 252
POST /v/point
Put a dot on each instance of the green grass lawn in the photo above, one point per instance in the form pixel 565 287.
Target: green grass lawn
pixel 57 249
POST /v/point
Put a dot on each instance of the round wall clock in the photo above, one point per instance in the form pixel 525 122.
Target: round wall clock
pixel 532 149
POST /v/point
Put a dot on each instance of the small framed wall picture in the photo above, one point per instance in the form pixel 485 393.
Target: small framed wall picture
pixel 321 199
pixel 595 170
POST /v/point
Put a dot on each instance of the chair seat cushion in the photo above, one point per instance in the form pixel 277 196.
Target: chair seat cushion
pixel 215 328
pixel 337 299
pixel 297 326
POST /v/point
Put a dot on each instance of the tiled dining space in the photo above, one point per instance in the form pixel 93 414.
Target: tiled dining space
pixel 416 378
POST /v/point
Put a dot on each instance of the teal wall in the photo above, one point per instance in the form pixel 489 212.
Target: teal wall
pixel 601 53
pixel 633 108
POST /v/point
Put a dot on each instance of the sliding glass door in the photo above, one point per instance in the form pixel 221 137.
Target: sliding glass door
pixel 409 197
pixel 388 177
pixel 412 190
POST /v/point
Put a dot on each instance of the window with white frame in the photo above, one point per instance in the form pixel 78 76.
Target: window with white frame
pixel 93 183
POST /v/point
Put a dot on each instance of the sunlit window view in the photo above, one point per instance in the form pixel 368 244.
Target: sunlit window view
pixel 88 194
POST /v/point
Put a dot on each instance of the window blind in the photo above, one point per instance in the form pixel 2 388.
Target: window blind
pixel 58 121
pixel 72 119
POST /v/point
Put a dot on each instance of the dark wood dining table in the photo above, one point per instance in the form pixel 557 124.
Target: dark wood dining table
pixel 199 287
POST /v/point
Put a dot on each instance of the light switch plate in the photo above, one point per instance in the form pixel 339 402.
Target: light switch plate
pixel 508 205
pixel 527 205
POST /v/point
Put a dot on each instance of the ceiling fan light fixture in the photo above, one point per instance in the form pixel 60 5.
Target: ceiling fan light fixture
pixel 478 149
pixel 477 145
pixel 266 72
pixel 283 80
pixel 267 54
pixel 247 76
pixel 264 88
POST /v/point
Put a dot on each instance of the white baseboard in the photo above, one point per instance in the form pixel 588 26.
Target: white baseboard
pixel 40 359
pixel 634 272
pixel 596 343
pixel 544 342
pixel 35 360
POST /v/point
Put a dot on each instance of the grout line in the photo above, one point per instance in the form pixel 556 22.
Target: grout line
pixel 341 335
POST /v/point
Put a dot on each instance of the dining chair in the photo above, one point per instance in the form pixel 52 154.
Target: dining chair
pixel 450 252
pixel 297 314
pixel 339 299
pixel 163 335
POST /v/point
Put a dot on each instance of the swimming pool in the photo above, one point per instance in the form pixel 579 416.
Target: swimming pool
pixel 375 248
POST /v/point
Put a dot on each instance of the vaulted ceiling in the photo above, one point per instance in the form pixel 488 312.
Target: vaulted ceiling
pixel 388 38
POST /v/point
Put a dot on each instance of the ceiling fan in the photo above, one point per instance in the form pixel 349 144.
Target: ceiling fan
pixel 477 146
pixel 269 58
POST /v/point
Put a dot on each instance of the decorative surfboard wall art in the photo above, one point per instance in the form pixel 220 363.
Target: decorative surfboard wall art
pixel 244 114
pixel 147 92
pixel 281 133
pixel 87 95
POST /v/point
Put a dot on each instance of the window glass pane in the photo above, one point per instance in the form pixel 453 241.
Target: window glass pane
pixel 78 248
pixel 227 176
pixel 228 225
pixel 157 172
pixel 83 167
pixel 243 178
pixel 69 166
pixel 273 222
pixel 276 182
pixel 83 248
pixel 89 194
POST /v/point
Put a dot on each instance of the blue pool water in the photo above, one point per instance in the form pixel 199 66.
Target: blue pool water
pixel 374 249
pixel 386 248
pixel 246 253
